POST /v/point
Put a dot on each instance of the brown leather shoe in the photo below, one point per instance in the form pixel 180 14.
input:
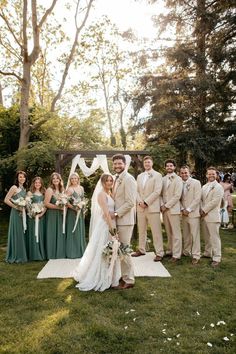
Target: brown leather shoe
pixel 167 255
pixel 174 260
pixel 215 264
pixel 195 261
pixel 127 286
pixel 157 259
pixel 118 287
pixel 205 256
pixel 137 254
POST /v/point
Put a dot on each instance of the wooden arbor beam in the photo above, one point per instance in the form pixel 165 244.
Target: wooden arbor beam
pixel 64 157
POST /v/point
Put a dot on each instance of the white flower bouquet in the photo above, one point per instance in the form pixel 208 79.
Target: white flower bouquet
pixel 62 200
pixel 21 204
pixel 108 250
pixel 79 204
pixel 34 209
pixel 121 251
pixel 124 250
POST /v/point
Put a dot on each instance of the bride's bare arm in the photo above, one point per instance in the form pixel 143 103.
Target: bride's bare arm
pixel 102 201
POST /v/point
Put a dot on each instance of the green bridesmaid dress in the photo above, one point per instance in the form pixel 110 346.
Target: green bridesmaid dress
pixel 16 246
pixel 55 239
pixel 75 241
pixel 36 250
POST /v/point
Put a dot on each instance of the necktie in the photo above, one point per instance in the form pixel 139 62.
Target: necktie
pixel 168 181
pixel 115 185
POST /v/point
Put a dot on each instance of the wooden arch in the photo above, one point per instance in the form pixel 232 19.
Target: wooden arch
pixel 65 157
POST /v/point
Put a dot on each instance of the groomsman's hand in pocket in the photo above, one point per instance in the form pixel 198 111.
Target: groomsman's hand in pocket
pixel 142 205
pixel 163 208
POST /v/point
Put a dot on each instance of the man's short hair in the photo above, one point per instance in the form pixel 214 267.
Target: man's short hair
pixel 211 168
pixel 147 158
pixel 119 157
pixel 170 161
pixel 184 166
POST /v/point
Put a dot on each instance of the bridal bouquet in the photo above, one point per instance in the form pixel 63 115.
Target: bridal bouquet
pixel 108 250
pixel 79 204
pixel 110 253
pixel 114 232
pixel 124 250
pixel 21 204
pixel 114 246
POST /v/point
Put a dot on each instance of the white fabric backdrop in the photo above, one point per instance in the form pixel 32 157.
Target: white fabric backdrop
pixel 98 161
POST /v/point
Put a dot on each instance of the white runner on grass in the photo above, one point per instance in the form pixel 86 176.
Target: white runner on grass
pixel 64 268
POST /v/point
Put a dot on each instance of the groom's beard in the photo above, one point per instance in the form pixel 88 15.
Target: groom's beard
pixel 119 171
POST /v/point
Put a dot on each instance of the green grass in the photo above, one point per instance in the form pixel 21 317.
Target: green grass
pixel 51 316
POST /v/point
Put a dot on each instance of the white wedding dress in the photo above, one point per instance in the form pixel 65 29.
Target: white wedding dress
pixel 93 272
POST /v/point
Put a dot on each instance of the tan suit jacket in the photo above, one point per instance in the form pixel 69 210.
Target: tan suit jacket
pixel 151 191
pixel 211 202
pixel 191 199
pixel 171 193
pixel 125 199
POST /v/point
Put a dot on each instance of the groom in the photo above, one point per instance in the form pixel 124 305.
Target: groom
pixel 124 194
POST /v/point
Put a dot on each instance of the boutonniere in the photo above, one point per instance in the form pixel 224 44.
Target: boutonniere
pixel 188 186
pixel 212 187
pixel 150 175
pixel 119 180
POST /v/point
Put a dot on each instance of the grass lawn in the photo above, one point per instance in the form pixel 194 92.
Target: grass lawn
pixel 159 315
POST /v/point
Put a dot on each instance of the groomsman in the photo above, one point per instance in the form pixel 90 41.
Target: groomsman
pixel 171 194
pixel 149 185
pixel 190 207
pixel 125 195
pixel 212 195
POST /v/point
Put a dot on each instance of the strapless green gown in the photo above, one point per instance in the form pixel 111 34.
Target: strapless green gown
pixel 75 241
pixel 16 245
pixel 36 250
pixel 55 239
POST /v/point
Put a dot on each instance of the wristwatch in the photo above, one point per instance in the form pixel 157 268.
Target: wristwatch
pixel 115 213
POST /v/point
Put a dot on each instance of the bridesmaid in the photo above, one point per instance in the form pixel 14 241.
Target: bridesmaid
pixel 75 241
pixel 16 246
pixel 36 248
pixel 55 239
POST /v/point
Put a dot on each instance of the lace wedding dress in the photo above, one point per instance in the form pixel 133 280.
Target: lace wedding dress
pixel 93 271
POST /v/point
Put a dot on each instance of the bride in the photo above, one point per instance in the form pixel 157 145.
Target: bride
pixel 94 272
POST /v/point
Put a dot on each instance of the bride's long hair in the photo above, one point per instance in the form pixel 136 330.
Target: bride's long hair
pixel 95 208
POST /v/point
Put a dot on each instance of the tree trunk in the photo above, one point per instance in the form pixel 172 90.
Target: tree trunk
pixel 1 96
pixel 24 106
pixel 200 168
pixel 201 63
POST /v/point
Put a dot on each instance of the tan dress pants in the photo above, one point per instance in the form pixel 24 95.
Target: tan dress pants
pixel 211 232
pixel 153 219
pixel 191 237
pixel 127 268
pixel 174 236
